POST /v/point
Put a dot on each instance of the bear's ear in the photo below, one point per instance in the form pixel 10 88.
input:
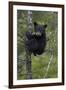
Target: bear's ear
pixel 45 25
pixel 35 23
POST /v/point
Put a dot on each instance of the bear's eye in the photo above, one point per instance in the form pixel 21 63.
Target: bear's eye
pixel 40 29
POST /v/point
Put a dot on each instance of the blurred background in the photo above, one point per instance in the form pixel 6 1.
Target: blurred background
pixel 45 65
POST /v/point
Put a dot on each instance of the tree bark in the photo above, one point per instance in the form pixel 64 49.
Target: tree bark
pixel 28 54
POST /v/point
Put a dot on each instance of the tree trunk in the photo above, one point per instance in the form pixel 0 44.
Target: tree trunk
pixel 28 54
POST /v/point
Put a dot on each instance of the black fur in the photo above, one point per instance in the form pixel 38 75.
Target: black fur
pixel 36 42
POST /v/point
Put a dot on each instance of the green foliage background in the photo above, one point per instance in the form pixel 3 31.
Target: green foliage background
pixel 39 62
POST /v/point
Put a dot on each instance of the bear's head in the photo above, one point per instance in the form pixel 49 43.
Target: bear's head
pixel 39 29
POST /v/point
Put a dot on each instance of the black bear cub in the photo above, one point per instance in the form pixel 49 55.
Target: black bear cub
pixel 36 41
